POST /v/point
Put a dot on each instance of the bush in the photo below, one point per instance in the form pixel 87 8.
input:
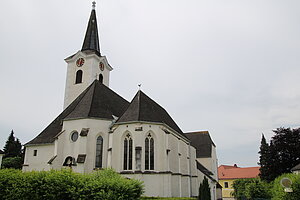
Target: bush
pixel 67 185
pixel 12 162
pixel 278 190
pixel 253 188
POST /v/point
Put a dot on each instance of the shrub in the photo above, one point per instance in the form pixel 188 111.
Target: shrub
pixel 278 190
pixel 67 185
pixel 12 162
pixel 253 188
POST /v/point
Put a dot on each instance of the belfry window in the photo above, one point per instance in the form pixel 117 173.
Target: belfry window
pixel 78 77
pixel 101 78
pixel 149 152
pixel 127 158
pixel 99 152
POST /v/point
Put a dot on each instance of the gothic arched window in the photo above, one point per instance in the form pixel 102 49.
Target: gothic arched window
pixel 78 77
pixel 149 152
pixel 101 78
pixel 99 152
pixel 127 158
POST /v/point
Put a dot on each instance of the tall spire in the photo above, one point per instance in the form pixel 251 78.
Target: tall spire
pixel 91 39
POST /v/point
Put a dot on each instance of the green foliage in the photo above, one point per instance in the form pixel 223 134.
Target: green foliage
pixel 67 185
pixel 281 155
pixel 266 161
pixel 251 189
pixel 204 190
pixel 12 162
pixel 278 190
pixel 13 147
pixel 167 198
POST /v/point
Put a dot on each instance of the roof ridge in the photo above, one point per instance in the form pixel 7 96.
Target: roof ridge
pixel 93 96
pixel 139 104
pixel 62 115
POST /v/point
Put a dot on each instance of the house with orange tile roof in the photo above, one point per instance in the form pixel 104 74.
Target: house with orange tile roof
pixel 227 174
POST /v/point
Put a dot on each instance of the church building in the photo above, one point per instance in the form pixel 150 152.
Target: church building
pixel 100 129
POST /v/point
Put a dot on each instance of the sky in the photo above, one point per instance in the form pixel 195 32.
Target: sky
pixel 230 67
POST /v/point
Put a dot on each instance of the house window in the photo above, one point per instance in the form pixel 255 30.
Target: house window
pixel 74 136
pixel 149 153
pixel 99 152
pixel 34 152
pixel 225 184
pixel 127 158
pixel 78 77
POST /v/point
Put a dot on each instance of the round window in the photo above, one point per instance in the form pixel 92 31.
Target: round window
pixel 74 136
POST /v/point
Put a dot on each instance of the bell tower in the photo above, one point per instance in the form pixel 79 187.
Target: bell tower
pixel 87 64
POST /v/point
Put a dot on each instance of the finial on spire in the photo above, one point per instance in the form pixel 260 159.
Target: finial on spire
pixel 139 86
pixel 94 5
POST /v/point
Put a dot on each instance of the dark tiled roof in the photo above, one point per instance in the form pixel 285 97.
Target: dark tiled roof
pixel 144 109
pixel 296 168
pixel 202 142
pixel 97 101
pixel 91 40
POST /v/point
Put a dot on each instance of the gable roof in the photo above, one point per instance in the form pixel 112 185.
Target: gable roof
pixel 202 141
pixel 296 168
pixel 97 101
pixel 143 109
pixel 234 172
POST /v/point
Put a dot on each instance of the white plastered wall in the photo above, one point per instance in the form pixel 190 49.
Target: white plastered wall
pixel 39 162
pixel 84 144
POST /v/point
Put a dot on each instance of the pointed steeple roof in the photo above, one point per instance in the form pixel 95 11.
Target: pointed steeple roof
pixel 91 39
pixel 97 101
pixel 143 109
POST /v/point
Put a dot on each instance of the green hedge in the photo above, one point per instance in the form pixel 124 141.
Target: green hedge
pixel 278 190
pixel 252 189
pixel 167 198
pixel 67 185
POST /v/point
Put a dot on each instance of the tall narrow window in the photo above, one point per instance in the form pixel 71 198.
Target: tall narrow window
pixel 127 159
pixel 149 153
pixel 138 158
pixel 78 77
pixel 99 152
pixel 101 78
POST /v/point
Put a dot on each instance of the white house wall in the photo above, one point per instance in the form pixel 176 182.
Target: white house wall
pixel 38 162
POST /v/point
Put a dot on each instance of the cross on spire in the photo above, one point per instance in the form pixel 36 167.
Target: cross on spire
pixel 94 5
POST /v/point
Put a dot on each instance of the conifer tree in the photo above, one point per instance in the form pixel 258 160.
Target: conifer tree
pixel 13 147
pixel 264 159
pixel 281 155
pixel 286 147
pixel 204 190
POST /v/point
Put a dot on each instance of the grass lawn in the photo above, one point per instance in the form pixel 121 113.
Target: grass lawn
pixel 167 198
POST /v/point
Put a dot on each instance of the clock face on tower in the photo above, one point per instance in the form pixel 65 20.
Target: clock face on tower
pixel 79 62
pixel 101 66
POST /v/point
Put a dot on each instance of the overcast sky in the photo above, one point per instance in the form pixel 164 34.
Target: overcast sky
pixel 230 67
